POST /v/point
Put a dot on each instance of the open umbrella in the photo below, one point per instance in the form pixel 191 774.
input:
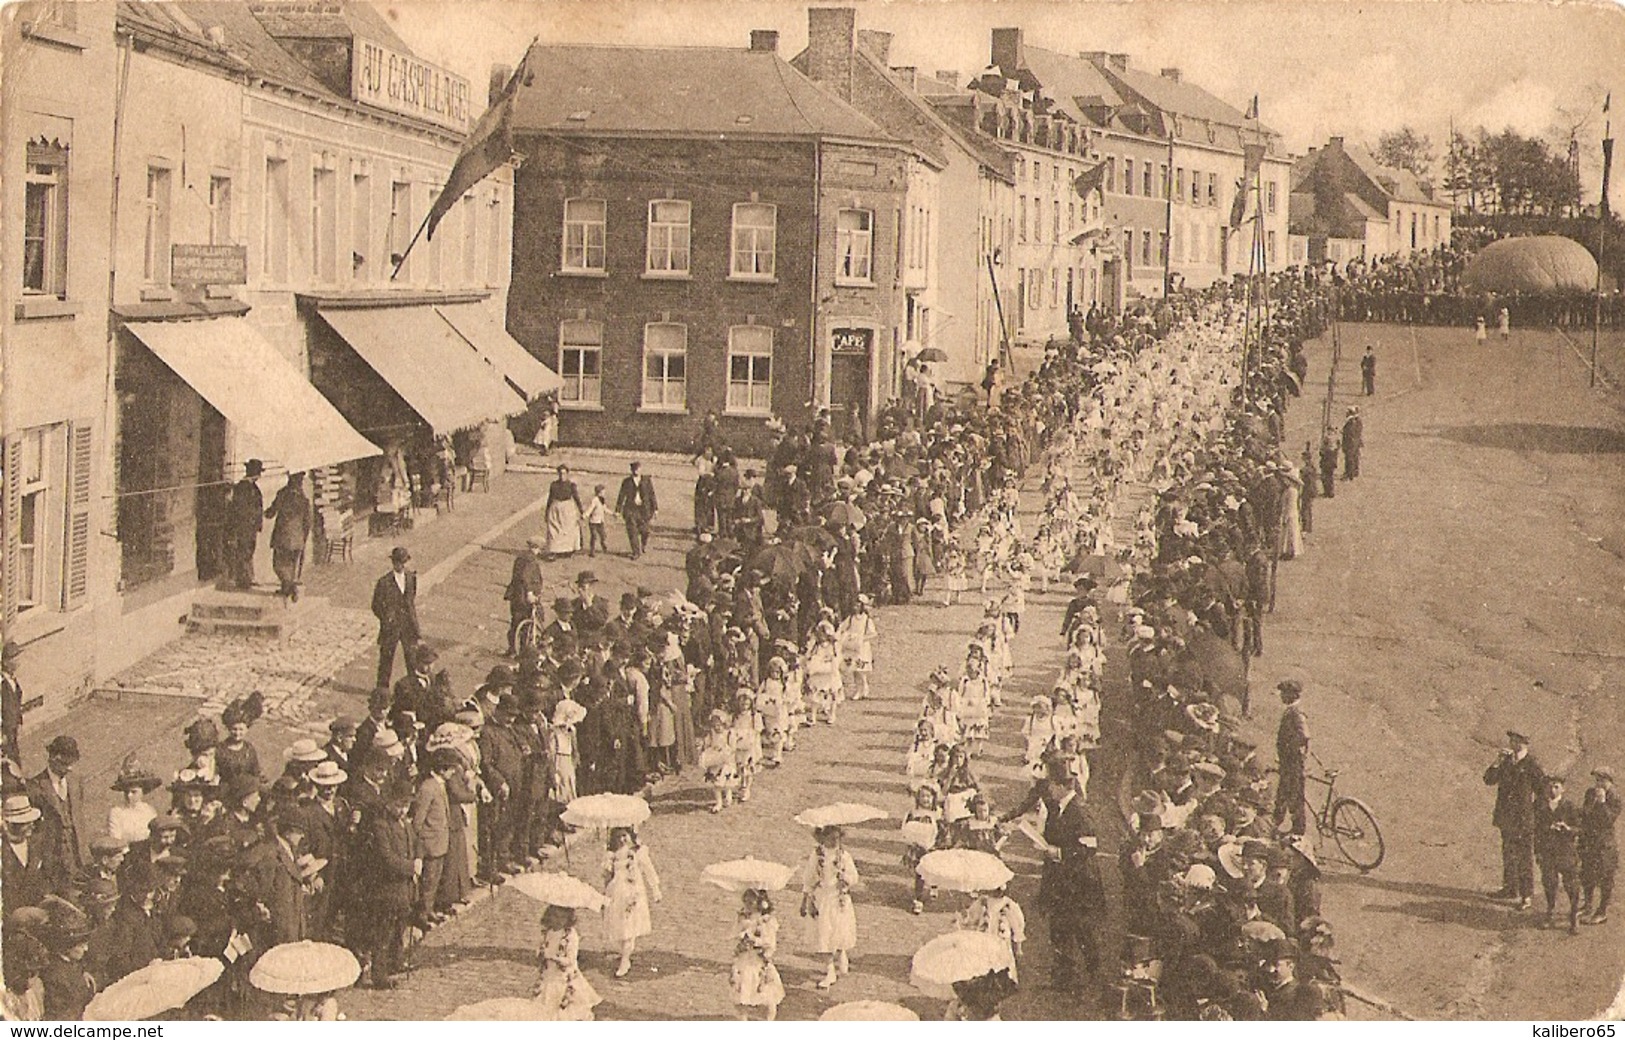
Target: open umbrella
pixel 782 562
pixel 964 870
pixel 932 354
pixel 868 1011
pixel 840 814
pixel 957 957
pixel 500 1009
pixel 845 514
pixel 815 536
pixel 604 811
pixel 558 890
pixel 742 875
pixel 159 987
pixel 305 967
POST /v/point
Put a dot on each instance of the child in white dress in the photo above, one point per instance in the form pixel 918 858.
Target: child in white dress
pixel 755 978
pixel 958 577
pixel 997 914
pixel 1038 730
pixel 630 887
pixel 857 639
pixel 718 761
pixel 828 878
pixel 975 699
pixel 824 673
pixel 922 832
pixel 771 706
pixel 917 764
pixel 746 737
pixel 563 993
pixel 561 741
pixel 795 694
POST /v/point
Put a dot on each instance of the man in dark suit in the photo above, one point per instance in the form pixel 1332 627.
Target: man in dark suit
pixel 1070 890
pixel 245 518
pixel 1353 443
pixel 26 871
pixel 1368 370
pixel 503 762
pixel 1557 836
pixel 636 505
pixel 294 517
pixel 11 701
pixel 395 605
pixel 1519 784
pixel 1599 848
pixel 1291 751
pixel 524 588
pixel 393 863
pixel 276 884
pixel 60 797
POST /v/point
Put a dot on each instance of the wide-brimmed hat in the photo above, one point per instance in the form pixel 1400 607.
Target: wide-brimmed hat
pixel 18 809
pixel 190 779
pixel 1230 858
pixel 305 749
pixel 327 774
pixel 66 926
pixel 389 742
pixel 132 776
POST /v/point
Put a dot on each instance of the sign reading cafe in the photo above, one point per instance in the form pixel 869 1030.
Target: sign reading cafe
pixel 388 79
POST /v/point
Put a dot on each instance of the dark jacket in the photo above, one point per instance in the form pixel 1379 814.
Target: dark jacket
pixel 62 824
pixel 277 886
pixel 68 989
pixel 637 497
pixel 131 939
pixel 292 512
pixel 1598 814
pixel 397 613
pixel 27 884
pixel 246 513
pixel 1557 834
pixel 391 849
pixel 526 579
pixel 1518 783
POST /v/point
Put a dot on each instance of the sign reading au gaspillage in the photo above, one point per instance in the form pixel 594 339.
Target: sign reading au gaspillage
pixel 388 79
pixel 208 265
pixel 852 341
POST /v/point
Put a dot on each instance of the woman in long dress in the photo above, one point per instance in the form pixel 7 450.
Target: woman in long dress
pixel 826 896
pixel 563 993
pixel 630 886
pixel 755 978
pixel 563 515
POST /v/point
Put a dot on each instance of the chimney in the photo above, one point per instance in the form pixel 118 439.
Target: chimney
pixel 764 40
pixel 1335 143
pixel 876 43
pixel 500 75
pixel 830 35
pixel 1119 62
pixel 1171 73
pixel 910 76
pixel 1007 51
pixel 1094 57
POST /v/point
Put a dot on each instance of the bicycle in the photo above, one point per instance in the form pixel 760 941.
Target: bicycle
pixel 529 634
pixel 1347 821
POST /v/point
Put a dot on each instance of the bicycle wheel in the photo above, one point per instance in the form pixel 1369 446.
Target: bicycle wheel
pixel 529 635
pixel 1354 827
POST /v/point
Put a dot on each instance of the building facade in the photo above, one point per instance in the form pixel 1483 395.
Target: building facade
pixel 739 256
pixel 58 88
pixel 1346 205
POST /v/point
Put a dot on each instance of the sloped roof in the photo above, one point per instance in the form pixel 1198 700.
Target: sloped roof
pixel 1401 185
pixel 248 47
pixel 680 90
pixel 1072 82
pixel 326 19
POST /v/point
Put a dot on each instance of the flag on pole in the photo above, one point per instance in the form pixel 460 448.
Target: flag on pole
pixel 1090 180
pixel 1254 156
pixel 1238 208
pixel 1607 163
pixel 1252 109
pixel 489 145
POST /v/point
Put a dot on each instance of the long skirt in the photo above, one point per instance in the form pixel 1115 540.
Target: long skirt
pixel 563 527
pixel 457 881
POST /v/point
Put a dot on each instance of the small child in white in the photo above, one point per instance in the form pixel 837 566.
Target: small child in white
pixel 857 640
pixel 997 914
pixel 755 978
pixel 718 761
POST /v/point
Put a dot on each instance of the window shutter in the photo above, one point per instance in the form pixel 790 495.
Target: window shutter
pixel 13 504
pixel 76 560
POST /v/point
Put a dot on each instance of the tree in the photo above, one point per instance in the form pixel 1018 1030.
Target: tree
pixel 1405 149
pixel 1466 175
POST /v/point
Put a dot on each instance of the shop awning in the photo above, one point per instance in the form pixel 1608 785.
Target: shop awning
pixel 500 350
pixel 260 392
pixel 422 357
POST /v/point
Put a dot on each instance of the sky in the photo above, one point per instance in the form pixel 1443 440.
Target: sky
pixel 1319 67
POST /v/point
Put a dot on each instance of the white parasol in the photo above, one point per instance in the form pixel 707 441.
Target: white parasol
pixel 500 1009
pixel 305 967
pixel 957 957
pixel 603 811
pixel 868 1011
pixel 1262 931
pixel 558 890
pixel 159 987
pixel 964 870
pixel 742 875
pixel 840 814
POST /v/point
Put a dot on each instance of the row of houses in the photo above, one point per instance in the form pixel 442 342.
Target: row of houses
pixel 736 231
pixel 1347 206
pixel 205 204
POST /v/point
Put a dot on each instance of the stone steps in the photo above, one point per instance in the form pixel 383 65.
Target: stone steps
pixel 261 614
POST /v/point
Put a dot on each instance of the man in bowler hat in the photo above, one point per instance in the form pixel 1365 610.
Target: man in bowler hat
pixel 1519 784
pixel 395 605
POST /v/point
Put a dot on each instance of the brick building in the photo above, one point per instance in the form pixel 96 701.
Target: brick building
pixel 703 230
